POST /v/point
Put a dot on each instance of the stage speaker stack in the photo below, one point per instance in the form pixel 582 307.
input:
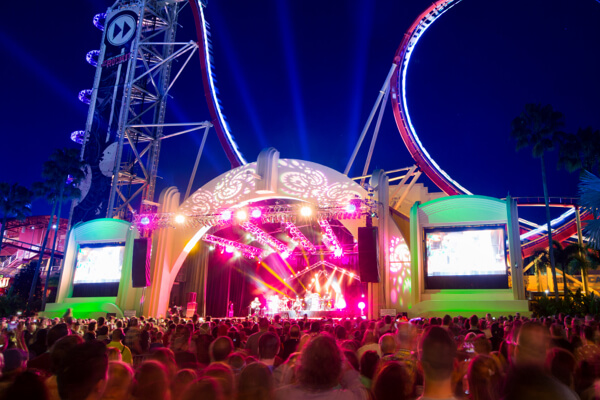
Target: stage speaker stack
pixel 368 254
pixel 140 265
pixel 190 310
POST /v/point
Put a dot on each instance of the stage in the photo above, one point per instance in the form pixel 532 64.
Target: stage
pixel 319 314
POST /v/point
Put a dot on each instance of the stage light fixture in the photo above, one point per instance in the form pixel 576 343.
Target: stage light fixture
pixel 211 248
pixel 180 219
pixel 229 249
pixel 145 221
pixel 338 252
pixel 350 208
pixel 306 211
pixel 226 215
pixel 285 255
pixel 53 226
pixel 241 215
pixel 361 305
pixel 256 213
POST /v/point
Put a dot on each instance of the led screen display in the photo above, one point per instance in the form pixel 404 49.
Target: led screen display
pixel 465 257
pixel 99 263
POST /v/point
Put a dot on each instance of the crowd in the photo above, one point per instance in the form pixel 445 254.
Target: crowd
pixel 259 358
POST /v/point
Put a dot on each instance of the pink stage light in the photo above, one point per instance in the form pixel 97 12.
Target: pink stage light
pixel 226 215
pixel 256 213
pixel 340 304
pixel 361 305
pixel 350 208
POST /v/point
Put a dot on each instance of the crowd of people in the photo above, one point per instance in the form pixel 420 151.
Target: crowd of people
pixel 176 358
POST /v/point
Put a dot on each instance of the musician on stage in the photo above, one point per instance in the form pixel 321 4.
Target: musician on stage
pixel 255 306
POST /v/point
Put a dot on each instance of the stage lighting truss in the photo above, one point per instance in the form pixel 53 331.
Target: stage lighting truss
pixel 299 237
pixel 265 239
pixel 329 238
pixel 325 264
pixel 246 250
pixel 279 213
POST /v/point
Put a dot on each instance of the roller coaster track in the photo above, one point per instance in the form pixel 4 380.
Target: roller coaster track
pixel 562 228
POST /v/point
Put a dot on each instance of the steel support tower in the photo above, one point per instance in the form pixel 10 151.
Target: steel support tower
pixel 126 119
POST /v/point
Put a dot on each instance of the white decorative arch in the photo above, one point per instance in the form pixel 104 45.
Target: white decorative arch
pixel 285 179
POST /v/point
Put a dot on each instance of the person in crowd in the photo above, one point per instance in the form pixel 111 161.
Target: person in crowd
pixel 437 352
pixel 224 376
pixel 132 337
pixel 268 347
pixel 151 382
pixel 206 388
pixel 83 374
pixel 116 338
pixel 252 342
pixel 322 372
pixel 391 382
pixel 369 342
pixel 183 379
pixel 255 383
pixel 561 364
pixel 290 345
pixel 42 362
pixel 220 349
pixel 120 381
pixel 368 365
pixel 387 347
pixel 483 379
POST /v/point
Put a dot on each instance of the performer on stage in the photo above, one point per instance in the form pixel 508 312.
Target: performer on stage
pixel 255 306
pixel 230 310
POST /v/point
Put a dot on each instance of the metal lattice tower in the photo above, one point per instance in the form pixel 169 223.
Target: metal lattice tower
pixel 141 66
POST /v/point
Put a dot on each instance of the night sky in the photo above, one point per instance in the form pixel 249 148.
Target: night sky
pixel 302 76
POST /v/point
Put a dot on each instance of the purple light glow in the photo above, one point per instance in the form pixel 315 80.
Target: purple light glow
pixel 85 96
pixel 99 20
pixel 92 57
pixel 77 136
pixel 145 221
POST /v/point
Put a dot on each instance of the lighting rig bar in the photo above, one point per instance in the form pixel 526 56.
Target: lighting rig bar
pixel 244 249
pixel 266 239
pixel 299 237
pixel 330 239
pixel 269 214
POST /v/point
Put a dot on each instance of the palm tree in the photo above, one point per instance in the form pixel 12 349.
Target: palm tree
pixel 540 261
pixel 15 201
pixel 62 172
pixel 561 260
pixel 589 190
pixel 580 151
pixel 537 127
pixel 582 259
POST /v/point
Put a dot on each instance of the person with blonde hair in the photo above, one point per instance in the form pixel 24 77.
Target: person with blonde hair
pixel 120 381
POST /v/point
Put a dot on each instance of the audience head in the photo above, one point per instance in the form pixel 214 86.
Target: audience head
pixel 268 346
pixel 484 378
pixel 387 344
pixel 437 353
pixel 220 348
pixel 83 372
pixel 391 382
pixel 320 364
pixel 532 344
pixel 255 383
pixel 120 381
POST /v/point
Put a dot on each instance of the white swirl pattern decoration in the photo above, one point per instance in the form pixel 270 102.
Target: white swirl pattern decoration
pixel 300 180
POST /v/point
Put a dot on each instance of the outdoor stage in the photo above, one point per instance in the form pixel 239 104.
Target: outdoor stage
pixel 312 314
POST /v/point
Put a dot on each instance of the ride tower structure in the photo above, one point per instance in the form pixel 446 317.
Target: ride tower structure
pixel 125 127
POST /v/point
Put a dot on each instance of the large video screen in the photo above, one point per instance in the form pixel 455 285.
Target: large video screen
pixel 466 257
pixel 99 263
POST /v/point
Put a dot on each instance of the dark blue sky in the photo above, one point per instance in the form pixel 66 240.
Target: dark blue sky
pixel 302 76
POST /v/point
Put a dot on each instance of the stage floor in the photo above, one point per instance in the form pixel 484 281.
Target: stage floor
pixel 291 314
